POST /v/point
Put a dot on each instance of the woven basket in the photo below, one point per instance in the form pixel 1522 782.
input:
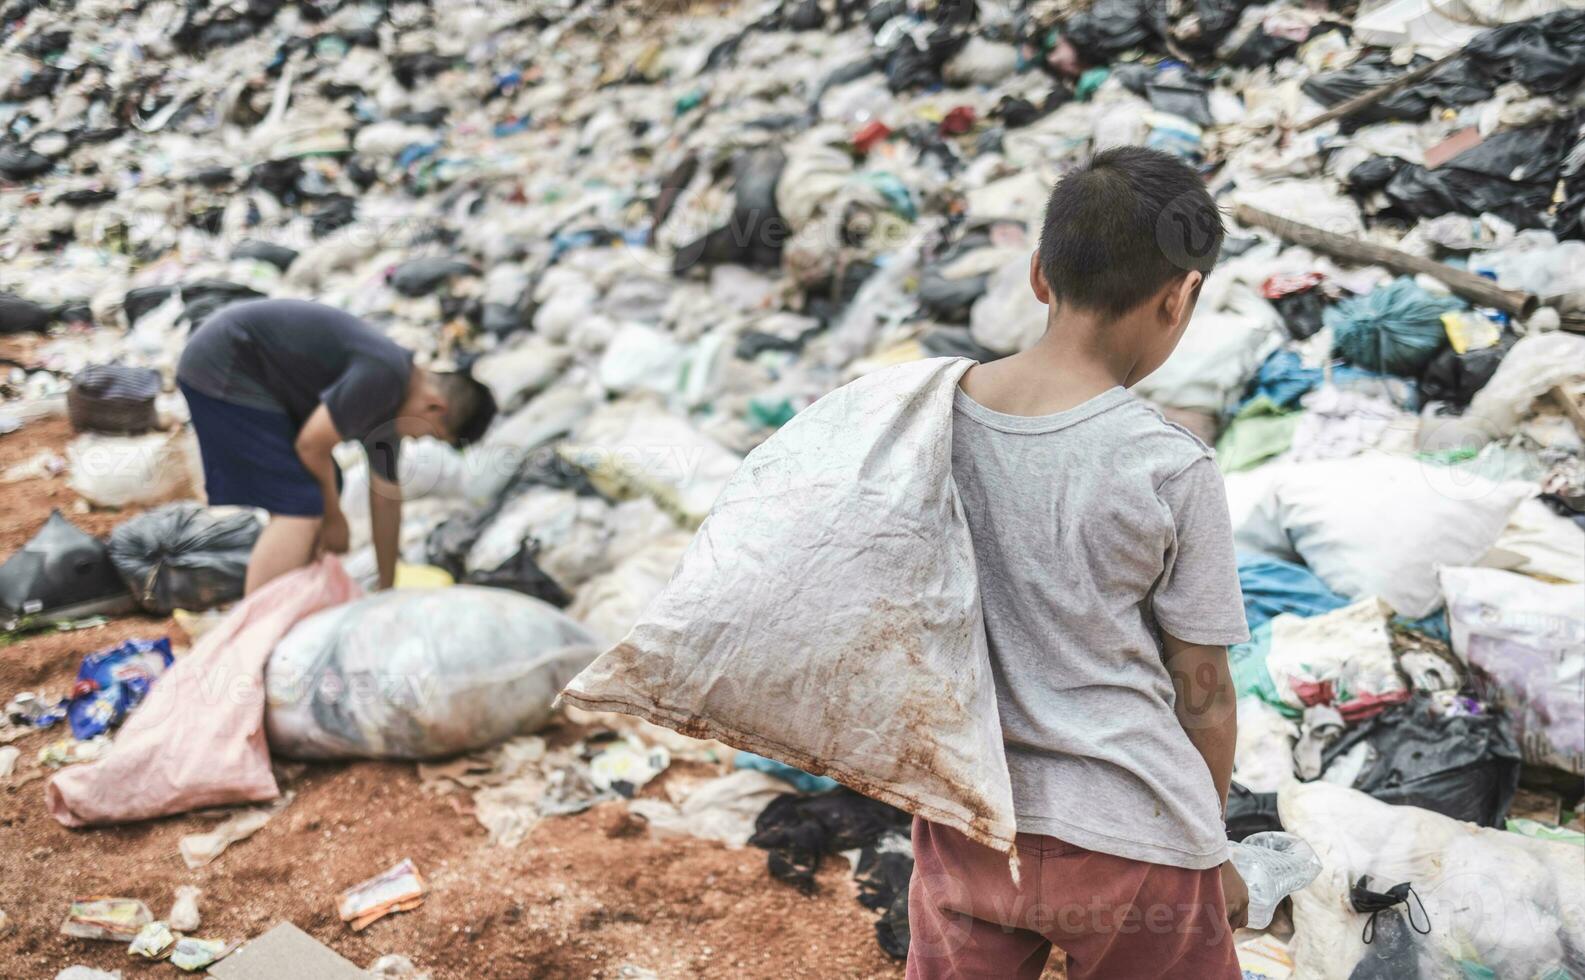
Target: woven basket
pixel 113 398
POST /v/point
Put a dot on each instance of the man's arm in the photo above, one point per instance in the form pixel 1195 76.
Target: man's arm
pixel 1207 708
pixel 314 444
pixel 385 521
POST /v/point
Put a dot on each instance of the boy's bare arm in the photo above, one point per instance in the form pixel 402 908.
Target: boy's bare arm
pixel 1208 711
pixel 1207 706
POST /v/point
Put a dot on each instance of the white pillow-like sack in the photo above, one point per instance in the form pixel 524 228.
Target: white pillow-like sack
pixel 1380 525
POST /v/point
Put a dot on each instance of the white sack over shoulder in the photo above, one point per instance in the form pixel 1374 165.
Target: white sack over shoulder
pixel 827 613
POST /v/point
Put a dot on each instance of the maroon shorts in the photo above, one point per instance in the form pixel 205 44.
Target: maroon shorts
pixel 1115 918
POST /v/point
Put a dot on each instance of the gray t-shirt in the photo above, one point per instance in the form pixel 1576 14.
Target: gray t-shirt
pixel 1092 528
pixel 291 356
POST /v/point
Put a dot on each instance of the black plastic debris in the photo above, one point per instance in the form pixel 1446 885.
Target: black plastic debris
pixel 18 315
pixel 62 573
pixel 277 255
pixel 182 556
pixel 18 162
pixel 143 300
pixel 422 276
pixel 1464 766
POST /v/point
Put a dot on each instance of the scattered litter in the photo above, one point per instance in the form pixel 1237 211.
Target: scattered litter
pixel 111 683
pixel 200 849
pixel 192 954
pixel 399 889
pixel 183 916
pixel 108 919
pixel 70 751
pixel 154 941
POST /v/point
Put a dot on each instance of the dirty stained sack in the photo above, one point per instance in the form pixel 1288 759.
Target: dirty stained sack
pixel 198 739
pixel 877 672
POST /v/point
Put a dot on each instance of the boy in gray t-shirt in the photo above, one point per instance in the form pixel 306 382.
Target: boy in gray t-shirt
pixel 1110 592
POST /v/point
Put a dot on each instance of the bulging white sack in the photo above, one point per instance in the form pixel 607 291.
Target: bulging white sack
pixel 419 674
pixel 827 613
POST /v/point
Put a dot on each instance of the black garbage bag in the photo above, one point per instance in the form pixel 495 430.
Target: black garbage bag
pixel 278 178
pixel 277 255
pixel 798 831
pixel 422 276
pixel 1182 93
pixel 521 573
pixel 144 300
pixel 1510 174
pixel 1546 53
pixel 1461 766
pixel 18 162
pixel 338 211
pixel 908 66
pixel 1373 174
pixel 1109 28
pixel 114 398
pixel 203 297
pixel 1454 378
pixel 805 15
pixel 882 875
pixel 181 556
pixel 1301 312
pixel 756 232
pixel 1014 112
pixel 1451 85
pixel 18 315
pixel 1249 812
pixel 85 197
pixel 61 573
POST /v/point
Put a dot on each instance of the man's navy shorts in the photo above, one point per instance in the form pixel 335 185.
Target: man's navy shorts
pixel 250 457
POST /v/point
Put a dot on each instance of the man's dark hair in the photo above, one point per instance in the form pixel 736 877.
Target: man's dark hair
pixel 471 406
pixel 1124 225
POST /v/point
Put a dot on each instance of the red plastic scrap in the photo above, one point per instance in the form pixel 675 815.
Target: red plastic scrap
pixel 958 121
pixel 1287 283
pixel 873 132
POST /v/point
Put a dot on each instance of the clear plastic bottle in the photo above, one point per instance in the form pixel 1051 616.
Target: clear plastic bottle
pixel 1273 865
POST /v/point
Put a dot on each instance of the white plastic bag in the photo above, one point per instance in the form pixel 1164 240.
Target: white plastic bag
pixel 1008 318
pixel 636 448
pixel 125 471
pixel 1379 525
pixel 1524 641
pixel 878 673
pixel 1507 903
pixel 611 604
pixel 419 674
pixel 1222 348
pixel 1535 364
pixel 1540 543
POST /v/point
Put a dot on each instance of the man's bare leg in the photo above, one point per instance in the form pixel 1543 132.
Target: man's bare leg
pixel 286 543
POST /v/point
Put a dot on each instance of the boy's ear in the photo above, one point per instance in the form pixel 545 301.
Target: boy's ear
pixel 1180 297
pixel 1037 279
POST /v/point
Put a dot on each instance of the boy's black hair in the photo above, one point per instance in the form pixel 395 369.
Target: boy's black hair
pixel 1124 225
pixel 472 407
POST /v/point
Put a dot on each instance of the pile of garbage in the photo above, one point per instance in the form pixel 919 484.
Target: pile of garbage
pixel 659 232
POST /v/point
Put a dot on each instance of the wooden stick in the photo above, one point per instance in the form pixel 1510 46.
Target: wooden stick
pixel 1365 99
pixel 1475 288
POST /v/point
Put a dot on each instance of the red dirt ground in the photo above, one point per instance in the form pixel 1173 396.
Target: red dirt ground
pixel 570 901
